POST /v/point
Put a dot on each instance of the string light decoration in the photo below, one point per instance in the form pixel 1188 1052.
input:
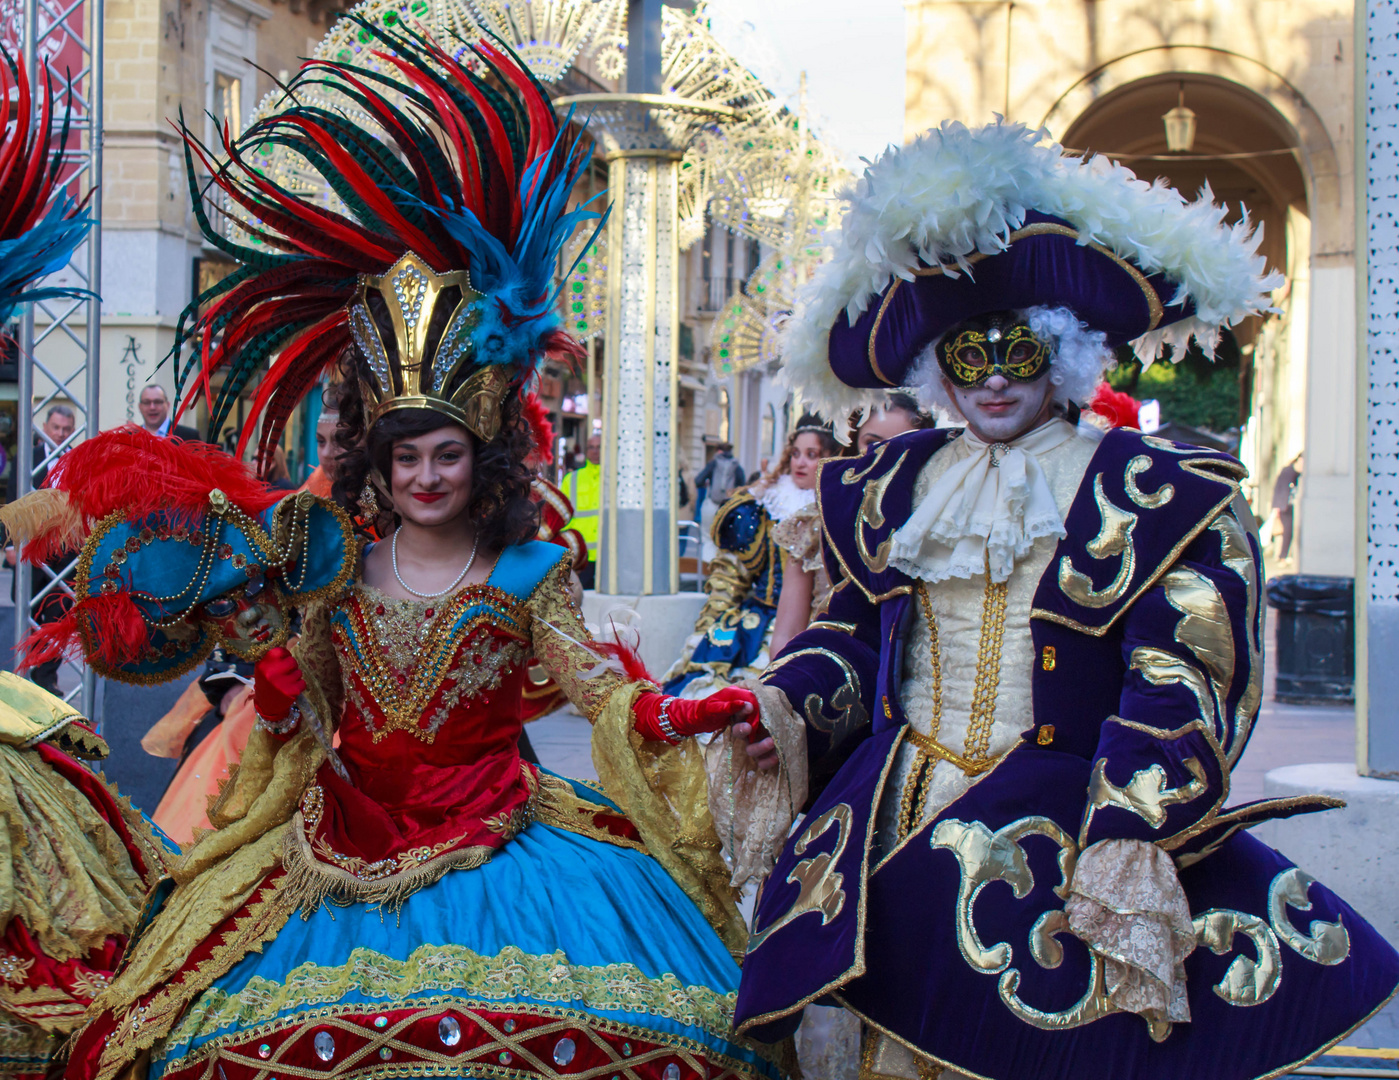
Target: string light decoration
pixel 583 301
pixel 746 331
pixel 548 34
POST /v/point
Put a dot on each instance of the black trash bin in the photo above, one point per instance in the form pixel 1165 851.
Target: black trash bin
pixel 1314 662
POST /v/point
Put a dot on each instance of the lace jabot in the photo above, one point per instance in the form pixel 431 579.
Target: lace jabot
pixel 986 510
pixel 784 498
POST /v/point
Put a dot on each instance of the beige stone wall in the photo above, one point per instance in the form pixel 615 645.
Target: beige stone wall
pixel 1263 75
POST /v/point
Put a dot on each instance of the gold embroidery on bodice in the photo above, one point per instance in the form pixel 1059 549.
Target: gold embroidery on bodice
pixel 408 650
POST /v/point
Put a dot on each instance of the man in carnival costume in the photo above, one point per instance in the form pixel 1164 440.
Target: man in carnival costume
pixel 1017 718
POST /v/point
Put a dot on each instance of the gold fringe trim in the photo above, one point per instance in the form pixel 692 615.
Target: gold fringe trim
pixel 311 882
pixel 41 511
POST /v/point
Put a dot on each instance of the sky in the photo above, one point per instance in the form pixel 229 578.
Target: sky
pixel 852 53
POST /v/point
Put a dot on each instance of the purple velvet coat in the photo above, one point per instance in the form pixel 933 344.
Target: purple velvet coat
pixel 1147 680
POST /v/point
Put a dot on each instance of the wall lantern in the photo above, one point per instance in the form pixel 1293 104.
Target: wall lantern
pixel 1180 127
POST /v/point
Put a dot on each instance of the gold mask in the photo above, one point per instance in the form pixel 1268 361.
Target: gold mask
pixel 405 376
pixel 976 353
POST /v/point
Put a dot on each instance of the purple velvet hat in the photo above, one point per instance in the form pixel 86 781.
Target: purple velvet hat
pixel 962 222
pixel 1043 264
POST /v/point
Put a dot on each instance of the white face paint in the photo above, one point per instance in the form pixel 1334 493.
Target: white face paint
pixel 1000 410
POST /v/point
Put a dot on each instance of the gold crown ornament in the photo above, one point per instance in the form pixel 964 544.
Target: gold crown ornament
pixel 403 374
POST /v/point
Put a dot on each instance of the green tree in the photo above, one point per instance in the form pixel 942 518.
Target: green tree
pixel 1195 392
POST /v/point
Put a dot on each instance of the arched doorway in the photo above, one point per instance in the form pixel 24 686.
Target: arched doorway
pixel 1247 153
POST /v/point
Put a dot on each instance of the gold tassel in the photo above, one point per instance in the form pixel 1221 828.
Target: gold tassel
pixel 309 883
pixel 40 511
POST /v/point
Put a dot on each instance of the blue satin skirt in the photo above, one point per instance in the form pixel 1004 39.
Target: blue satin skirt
pixel 561 956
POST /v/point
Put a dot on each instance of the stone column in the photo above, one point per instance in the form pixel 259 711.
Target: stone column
pixel 1377 239
pixel 1354 850
pixel 643 137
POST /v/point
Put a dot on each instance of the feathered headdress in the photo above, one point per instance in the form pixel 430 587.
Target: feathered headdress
pixel 41 225
pixel 460 209
pixel 164 529
pixel 966 221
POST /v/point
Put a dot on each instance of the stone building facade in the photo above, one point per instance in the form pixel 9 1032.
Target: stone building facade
pixel 1272 85
pixel 164 57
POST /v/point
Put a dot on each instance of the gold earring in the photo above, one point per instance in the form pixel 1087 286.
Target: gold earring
pixel 369 501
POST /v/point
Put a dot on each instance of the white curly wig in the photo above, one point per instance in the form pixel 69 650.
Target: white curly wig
pixel 1079 357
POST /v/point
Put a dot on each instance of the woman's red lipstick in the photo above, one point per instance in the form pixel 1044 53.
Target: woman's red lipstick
pixel 429 496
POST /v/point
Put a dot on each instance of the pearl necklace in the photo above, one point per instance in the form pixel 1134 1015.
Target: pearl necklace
pixel 393 553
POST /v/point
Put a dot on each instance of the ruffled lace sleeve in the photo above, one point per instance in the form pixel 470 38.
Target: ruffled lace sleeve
pixel 1127 905
pixel 800 537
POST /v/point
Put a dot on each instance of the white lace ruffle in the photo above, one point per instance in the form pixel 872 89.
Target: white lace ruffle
pixel 784 498
pixel 986 509
pixel 1126 904
pixel 753 811
pixel 828 1044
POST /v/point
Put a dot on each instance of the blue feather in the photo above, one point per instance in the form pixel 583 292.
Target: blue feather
pixel 519 286
pixel 43 250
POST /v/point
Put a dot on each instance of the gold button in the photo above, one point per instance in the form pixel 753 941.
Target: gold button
pixel 1047 660
pixel 1046 735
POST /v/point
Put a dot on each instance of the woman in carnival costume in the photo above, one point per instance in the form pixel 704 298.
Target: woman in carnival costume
pixel 733 634
pixel 806 587
pixel 75 859
pixel 418 902
pixel 1014 729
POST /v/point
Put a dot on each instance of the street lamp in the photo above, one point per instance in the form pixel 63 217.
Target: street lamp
pixel 1180 127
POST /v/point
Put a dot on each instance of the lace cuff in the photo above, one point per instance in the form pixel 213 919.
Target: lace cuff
pixel 753 811
pixel 1127 905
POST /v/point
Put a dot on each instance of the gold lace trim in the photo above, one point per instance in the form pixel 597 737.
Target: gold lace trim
pixel 507 976
pixel 142 1017
pixel 974 760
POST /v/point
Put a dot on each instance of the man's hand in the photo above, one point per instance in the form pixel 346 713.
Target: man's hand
pixel 762 748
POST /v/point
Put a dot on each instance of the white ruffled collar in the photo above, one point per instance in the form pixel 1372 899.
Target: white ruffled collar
pixel 985 512
pixel 783 498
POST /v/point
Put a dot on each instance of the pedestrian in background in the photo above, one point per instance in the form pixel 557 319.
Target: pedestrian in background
pixel 155 414
pixel 585 493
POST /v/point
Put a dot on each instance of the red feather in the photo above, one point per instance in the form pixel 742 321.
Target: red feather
pixel 631 660
pixel 108 628
pixel 131 470
pixel 541 430
pixel 1116 407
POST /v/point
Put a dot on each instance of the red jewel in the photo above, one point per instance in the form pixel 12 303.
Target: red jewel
pixel 401 680
pixel 428 613
pixel 495 646
pixel 379 610
pixel 475 658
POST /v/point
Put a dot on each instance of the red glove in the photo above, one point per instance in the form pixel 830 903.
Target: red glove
pixel 276 682
pixel 686 717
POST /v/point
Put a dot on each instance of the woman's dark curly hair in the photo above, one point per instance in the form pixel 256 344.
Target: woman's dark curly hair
pixel 501 506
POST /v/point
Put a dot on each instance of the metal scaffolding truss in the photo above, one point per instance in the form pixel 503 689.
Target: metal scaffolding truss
pixel 59 340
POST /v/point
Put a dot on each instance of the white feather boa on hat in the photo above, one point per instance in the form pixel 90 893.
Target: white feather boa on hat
pixel 954 191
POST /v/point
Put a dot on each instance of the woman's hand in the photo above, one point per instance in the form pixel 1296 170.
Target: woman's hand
pixel 655 713
pixel 276 683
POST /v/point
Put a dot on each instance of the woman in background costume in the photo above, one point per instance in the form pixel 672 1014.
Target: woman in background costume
pixel 733 633
pixel 75 859
pixel 806 587
pixel 418 902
